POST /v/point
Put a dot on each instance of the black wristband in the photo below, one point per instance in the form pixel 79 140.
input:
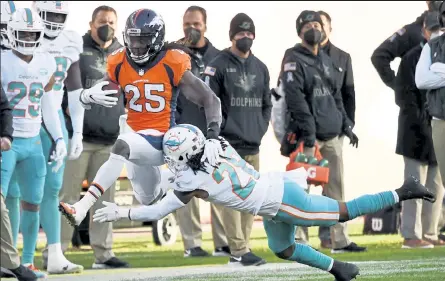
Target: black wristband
pixel 213 130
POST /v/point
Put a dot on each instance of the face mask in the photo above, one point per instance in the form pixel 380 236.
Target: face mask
pixel 105 33
pixel 244 44
pixel 192 35
pixel 312 36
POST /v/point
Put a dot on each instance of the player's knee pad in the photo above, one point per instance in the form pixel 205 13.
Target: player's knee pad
pixel 53 181
pixel 287 253
pixel 122 148
pixel 32 179
pixel 13 190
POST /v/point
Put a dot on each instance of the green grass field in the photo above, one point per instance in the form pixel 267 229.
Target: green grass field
pixel 392 262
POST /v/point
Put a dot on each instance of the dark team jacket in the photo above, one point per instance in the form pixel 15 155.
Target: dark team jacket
pixel 100 124
pixel 313 100
pixel 186 111
pixel 5 117
pixel 344 77
pixel 414 134
pixel 395 46
pixel 246 105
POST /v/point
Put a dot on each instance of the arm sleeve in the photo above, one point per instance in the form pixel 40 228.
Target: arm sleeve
pixel 348 91
pixel 267 99
pixel 394 46
pixel 167 205
pixel 293 87
pixel 6 116
pixel 425 78
pixel 339 102
pixel 199 93
pixel 405 86
pixel 50 116
pixel 74 87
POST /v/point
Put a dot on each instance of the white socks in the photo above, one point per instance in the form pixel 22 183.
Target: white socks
pixel 105 177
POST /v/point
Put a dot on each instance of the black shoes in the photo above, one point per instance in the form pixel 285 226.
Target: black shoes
pixel 247 259
pixel 412 189
pixel 344 271
pixel 195 252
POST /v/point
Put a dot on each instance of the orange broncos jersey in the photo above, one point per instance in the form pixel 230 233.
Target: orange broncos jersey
pixel 151 93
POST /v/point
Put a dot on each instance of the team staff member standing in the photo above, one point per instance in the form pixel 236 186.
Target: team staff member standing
pixel 195 26
pixel 100 130
pixel 316 110
pixel 398 45
pixel 241 81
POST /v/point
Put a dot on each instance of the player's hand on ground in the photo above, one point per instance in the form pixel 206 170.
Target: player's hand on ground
pixel 96 95
pixel 212 151
pixel 58 155
pixel 111 212
pixel 76 146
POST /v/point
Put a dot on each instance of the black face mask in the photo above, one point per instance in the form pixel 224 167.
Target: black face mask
pixel 192 35
pixel 105 33
pixel 323 36
pixel 244 44
pixel 312 36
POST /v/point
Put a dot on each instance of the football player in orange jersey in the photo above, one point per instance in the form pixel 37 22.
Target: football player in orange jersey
pixel 150 72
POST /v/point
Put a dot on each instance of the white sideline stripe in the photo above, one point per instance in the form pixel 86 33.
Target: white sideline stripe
pixel 309 216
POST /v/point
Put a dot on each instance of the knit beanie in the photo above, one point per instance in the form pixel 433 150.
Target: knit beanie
pixel 307 16
pixel 241 22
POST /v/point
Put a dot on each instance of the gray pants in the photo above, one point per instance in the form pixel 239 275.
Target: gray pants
pixel 331 150
pixel 189 221
pixel 9 256
pixel 421 218
pixel 85 167
pixel 439 148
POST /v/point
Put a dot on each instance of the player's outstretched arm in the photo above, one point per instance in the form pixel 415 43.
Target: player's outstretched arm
pixel 97 95
pixel 200 93
pixel 171 202
pixel 195 90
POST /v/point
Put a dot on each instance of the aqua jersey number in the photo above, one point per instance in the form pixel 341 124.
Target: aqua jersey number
pixel 61 73
pixel 34 95
pixel 229 170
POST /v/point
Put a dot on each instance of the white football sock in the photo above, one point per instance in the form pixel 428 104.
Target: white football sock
pixel 108 173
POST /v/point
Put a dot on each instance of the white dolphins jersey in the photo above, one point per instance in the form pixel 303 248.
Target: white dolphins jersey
pixel 24 86
pixel 66 50
pixel 235 184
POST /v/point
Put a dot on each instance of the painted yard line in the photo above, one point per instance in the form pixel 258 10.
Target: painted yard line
pixel 282 269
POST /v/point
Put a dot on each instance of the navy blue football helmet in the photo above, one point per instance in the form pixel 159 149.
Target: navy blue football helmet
pixel 144 35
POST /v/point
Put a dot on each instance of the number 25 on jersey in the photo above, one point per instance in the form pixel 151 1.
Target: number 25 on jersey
pixel 150 102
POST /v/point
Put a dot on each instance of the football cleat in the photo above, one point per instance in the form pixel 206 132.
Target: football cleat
pixel 74 216
pixel 413 189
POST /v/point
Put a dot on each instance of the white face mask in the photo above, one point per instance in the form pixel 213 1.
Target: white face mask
pixel 436 34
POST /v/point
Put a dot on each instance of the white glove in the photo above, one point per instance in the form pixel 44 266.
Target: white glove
pixel 96 95
pixel 212 150
pixel 110 213
pixel 58 154
pixel 76 146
